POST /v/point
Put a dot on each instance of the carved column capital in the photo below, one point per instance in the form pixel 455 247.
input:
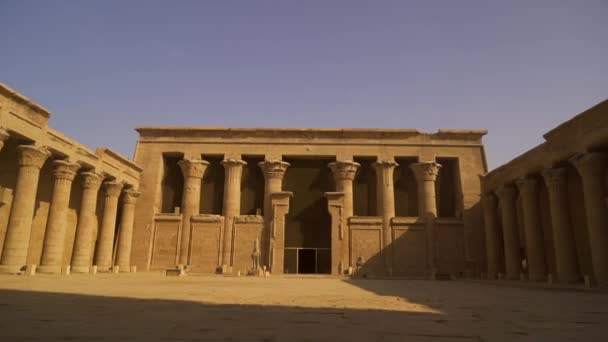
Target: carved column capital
pixel 65 170
pixel 506 193
pixel 233 162
pixel 489 199
pixel 526 185
pixel 29 155
pixel 385 164
pixel 113 188
pixel 425 170
pixel 130 196
pixel 193 168
pixel 554 177
pixel 91 180
pixel 590 164
pixel 4 135
pixel 273 168
pixel 344 169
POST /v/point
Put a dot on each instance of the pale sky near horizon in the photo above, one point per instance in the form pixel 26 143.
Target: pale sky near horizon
pixel 516 68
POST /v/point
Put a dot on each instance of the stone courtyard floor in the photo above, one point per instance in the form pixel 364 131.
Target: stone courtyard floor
pixel 151 307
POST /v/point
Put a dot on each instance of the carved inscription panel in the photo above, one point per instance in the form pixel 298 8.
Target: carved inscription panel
pixel 165 244
pixel 206 240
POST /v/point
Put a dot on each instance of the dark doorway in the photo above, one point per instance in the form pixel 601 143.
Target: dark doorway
pixel 307 261
pixel 308 223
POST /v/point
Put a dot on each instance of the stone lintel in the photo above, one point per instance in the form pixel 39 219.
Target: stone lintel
pixel 449 221
pixel 249 219
pixel 407 220
pixel 366 220
pixel 334 197
pixel 281 196
pixel 207 218
pixel 168 217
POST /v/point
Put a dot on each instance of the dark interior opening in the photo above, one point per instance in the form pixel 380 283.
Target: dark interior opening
pixel 447 188
pixel 172 183
pixel 212 190
pixel 364 188
pixel 307 261
pixel 406 188
pixel 252 186
pixel 308 224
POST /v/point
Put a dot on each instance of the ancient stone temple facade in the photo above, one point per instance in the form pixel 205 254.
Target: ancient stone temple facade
pixel 387 202
pixel 546 211
pixel 62 205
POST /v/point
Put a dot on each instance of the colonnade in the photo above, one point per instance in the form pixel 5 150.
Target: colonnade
pixel 592 168
pixel 30 161
pixel 274 170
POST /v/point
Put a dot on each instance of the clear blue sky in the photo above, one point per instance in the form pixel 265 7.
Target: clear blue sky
pixel 516 68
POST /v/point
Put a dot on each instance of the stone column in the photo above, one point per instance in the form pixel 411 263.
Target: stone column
pixel 84 241
pixel 563 235
pixel 125 234
pixel 506 195
pixel 426 173
pixel 339 248
pixel 386 199
pixel 105 242
pixel 4 135
pixel 54 239
pixel 535 248
pixel 14 255
pixel 493 249
pixel 274 171
pixel 344 173
pixel 592 168
pixel 193 170
pixel 279 203
pixel 232 205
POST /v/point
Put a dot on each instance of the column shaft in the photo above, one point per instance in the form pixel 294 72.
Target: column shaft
pixel 14 254
pixel 506 195
pixel 87 222
pixel 232 204
pixel 105 242
pixel 386 198
pixel 54 240
pixel 426 173
pixel 274 171
pixel 492 234
pixel 125 235
pixel 592 168
pixel 344 172
pixel 563 236
pixel 535 248
pixel 193 170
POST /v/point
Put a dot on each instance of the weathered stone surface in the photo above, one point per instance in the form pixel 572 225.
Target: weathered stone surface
pixel 563 217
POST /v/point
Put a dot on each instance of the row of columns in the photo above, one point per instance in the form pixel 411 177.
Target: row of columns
pixel 14 254
pixel 274 170
pixel 592 169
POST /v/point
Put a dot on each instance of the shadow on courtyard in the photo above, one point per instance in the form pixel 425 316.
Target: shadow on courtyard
pixel 26 315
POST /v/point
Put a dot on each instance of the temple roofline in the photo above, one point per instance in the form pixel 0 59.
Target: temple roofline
pixel 257 132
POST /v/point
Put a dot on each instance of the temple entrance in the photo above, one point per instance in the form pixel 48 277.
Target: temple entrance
pixel 308 223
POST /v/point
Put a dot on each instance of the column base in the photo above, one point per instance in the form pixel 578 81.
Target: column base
pixel 512 277
pixel 10 269
pixel 48 269
pixel 104 269
pixel 537 277
pixel 80 269
pixel 124 269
